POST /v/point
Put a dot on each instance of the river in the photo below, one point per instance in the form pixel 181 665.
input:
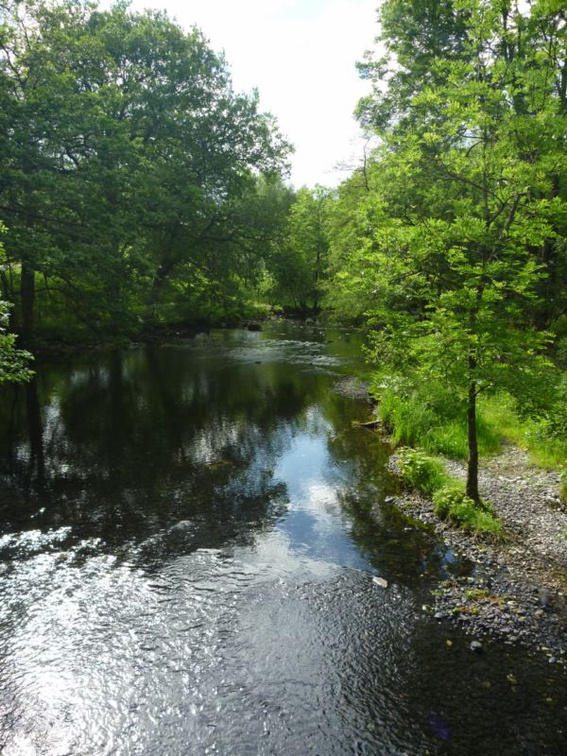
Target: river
pixel 188 537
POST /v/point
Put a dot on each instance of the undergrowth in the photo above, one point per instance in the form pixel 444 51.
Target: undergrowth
pixel 545 439
pixel 433 420
pixel 451 503
pixel 426 474
pixel 422 472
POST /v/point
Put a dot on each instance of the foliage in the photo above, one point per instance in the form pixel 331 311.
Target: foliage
pixel 14 363
pixel 451 503
pixel 354 222
pixel 421 471
pixel 464 212
pixel 427 474
pixel 129 164
pixel 541 437
pixel 299 260
pixel 429 416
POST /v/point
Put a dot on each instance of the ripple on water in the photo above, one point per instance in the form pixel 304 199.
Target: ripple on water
pixel 211 650
pixel 226 621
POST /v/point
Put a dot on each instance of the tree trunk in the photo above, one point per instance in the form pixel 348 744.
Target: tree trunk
pixel 472 465
pixel 160 278
pixel 27 292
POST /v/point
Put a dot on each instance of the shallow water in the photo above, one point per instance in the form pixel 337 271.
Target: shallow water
pixel 188 540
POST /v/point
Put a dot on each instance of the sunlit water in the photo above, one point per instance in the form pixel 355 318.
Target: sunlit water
pixel 189 535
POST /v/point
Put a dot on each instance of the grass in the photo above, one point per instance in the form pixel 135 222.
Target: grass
pixel 431 421
pixel 427 474
pixel 544 449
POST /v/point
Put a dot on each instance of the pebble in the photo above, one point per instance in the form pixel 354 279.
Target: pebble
pixel 526 603
pixel 380 581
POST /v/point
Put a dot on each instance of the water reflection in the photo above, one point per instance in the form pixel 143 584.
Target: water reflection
pixel 188 536
pixel 145 440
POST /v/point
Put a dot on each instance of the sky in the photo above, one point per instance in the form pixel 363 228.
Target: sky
pixel 301 56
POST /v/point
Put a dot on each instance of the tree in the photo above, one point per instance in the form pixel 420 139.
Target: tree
pixel 298 264
pixel 413 35
pixel 125 149
pixel 455 266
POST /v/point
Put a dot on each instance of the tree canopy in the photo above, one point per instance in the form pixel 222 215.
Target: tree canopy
pixel 456 251
pixel 127 156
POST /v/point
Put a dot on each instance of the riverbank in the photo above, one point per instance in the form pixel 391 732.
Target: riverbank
pixel 517 589
pixel 518 586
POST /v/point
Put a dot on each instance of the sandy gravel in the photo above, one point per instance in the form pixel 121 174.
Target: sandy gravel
pixel 518 587
pixel 526 499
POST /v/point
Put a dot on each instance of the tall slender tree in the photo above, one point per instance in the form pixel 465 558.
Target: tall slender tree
pixel 466 205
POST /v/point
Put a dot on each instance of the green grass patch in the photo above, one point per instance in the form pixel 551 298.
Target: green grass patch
pixel 458 610
pixel 451 503
pixel 477 594
pixel 433 422
pixel 427 474
pixel 546 447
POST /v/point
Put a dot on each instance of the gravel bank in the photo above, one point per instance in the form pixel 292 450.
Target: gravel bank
pixel 518 588
pixel 354 388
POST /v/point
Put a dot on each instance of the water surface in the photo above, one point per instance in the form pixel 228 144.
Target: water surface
pixel 187 543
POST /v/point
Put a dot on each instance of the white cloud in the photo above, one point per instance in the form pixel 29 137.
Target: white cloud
pixel 301 55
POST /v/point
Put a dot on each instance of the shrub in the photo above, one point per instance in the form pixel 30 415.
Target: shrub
pixel 446 499
pixel 426 474
pixel 421 471
pixel 451 503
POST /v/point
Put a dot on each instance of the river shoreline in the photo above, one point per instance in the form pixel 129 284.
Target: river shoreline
pixel 516 591
pixel 504 597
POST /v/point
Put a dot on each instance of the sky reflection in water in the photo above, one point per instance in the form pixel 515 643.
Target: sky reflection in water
pixel 188 544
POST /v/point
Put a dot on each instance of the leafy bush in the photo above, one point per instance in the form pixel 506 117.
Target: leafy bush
pixel 421 471
pixel 445 499
pixel 426 474
pixel 451 503
pixel 13 362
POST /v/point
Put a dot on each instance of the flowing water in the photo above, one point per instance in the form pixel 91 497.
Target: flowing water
pixel 187 543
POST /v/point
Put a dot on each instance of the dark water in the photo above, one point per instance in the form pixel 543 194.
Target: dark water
pixel 188 536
